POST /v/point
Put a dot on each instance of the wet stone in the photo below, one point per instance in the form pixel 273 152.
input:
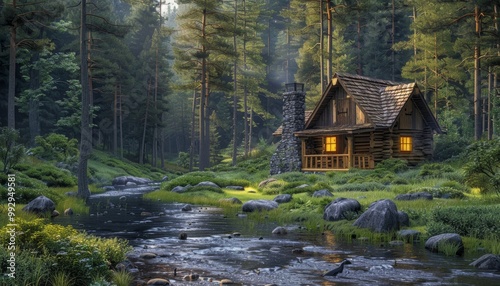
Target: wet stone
pixel 158 282
pixel 280 230
pixel 148 255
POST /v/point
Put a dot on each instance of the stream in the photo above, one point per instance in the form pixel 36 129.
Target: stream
pixel 220 247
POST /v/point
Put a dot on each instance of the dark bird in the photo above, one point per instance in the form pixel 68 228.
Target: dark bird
pixel 338 269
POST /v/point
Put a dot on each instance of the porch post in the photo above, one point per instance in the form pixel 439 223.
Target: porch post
pixel 350 149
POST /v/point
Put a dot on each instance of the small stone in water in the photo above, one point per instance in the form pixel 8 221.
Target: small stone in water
pixel 183 236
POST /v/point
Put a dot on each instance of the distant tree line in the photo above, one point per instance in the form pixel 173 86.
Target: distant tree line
pixel 204 77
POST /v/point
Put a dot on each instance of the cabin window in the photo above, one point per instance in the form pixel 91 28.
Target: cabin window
pixel 331 144
pixel 406 144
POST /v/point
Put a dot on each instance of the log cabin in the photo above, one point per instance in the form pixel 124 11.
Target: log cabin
pixel 361 121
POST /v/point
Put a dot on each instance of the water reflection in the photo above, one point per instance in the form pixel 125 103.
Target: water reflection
pixel 256 257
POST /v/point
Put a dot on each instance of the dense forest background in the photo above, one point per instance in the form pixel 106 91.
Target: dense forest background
pixel 198 79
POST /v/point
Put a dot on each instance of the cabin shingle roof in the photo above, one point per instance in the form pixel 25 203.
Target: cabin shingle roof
pixel 380 100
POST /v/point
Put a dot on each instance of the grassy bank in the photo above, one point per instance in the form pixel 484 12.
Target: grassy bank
pixel 472 214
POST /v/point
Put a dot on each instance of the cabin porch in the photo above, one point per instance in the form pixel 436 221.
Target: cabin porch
pixel 333 153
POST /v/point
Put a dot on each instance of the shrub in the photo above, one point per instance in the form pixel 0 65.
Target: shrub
pixel 393 165
pixel 435 170
pixel 56 147
pixel 65 250
pixel 11 153
pixel 447 147
pixel 482 169
pixel 51 175
pixel 474 221
pixel 441 192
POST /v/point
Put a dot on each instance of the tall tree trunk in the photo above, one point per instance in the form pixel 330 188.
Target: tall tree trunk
pixel 115 121
pixel 86 132
pixel 235 85
pixel 34 104
pixel 204 132
pixel 358 40
pixel 121 120
pixel 11 97
pixel 489 121
pixel 329 64
pixel 321 47
pixel 245 87
pixel 393 32
pixel 477 79
pixel 193 128
pixel 145 126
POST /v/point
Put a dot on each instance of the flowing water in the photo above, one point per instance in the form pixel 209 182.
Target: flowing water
pixel 220 247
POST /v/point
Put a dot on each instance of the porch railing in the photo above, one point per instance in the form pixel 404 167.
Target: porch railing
pixel 324 162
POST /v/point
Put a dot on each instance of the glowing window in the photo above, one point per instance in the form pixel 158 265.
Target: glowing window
pixel 406 144
pixel 331 144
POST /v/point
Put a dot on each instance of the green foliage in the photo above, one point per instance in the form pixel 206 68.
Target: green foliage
pixel 448 147
pixel 393 165
pixel 440 192
pixel 11 152
pixel 50 175
pixel 66 252
pixel 194 178
pixel 122 278
pixel 56 147
pixel 362 187
pixel 435 170
pixel 474 221
pixel 482 169
pixel 28 189
pixel 183 160
pixel 30 270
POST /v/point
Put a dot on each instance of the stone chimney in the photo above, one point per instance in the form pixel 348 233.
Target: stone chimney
pixel 287 157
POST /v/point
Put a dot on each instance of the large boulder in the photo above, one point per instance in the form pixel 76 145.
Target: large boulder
pixel 283 198
pixel 487 262
pixel 259 205
pixel 337 209
pixel 40 205
pixel 181 189
pixel 414 196
pixel 434 242
pixel 123 180
pixel 381 216
pixel 322 193
pixel 208 184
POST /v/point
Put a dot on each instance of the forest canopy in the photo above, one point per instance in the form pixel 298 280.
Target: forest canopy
pixel 204 78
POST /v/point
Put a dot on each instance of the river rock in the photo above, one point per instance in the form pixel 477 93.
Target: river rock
pixel 322 193
pixel 158 282
pixel 433 242
pixel 187 208
pixel 208 184
pixel 404 219
pixel 381 216
pixel 280 230
pixel 148 255
pixel 231 201
pixel 68 211
pixel 414 196
pixel 265 182
pixel 123 180
pixel 409 235
pixel 183 236
pixel 54 213
pixel 487 262
pixel 130 184
pixel 228 282
pixel 283 198
pixel 40 205
pixel 259 205
pixel 164 179
pixel 181 189
pixel 235 188
pixel 126 266
pixel 337 209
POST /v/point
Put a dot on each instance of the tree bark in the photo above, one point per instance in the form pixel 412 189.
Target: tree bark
pixel 204 124
pixel 235 85
pixel 11 97
pixel 478 128
pixel 145 126
pixel 86 132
